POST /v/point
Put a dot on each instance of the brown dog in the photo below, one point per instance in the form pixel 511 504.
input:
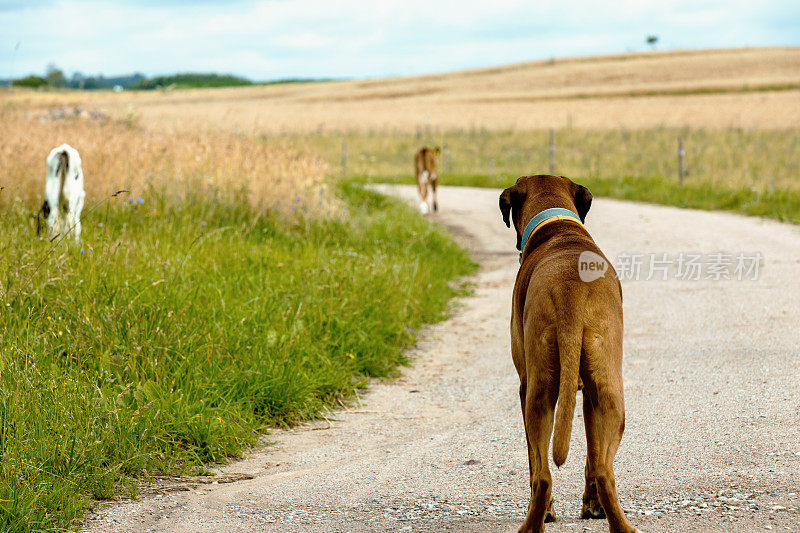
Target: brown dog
pixel 426 168
pixel 565 330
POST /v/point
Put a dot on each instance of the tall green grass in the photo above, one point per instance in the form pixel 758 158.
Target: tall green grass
pixel 184 326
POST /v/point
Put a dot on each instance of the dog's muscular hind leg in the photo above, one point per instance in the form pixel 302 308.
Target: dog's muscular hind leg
pixel 550 515
pixel 538 417
pixel 605 422
pixel 591 501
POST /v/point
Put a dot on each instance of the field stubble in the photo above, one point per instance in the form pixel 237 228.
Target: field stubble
pixel 751 88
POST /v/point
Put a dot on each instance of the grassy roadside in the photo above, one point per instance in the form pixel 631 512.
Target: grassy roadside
pixel 181 329
pixel 780 205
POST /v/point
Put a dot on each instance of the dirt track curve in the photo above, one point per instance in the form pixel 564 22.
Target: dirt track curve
pixel 712 387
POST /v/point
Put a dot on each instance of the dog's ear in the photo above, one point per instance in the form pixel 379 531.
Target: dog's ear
pixel 510 198
pixel 583 200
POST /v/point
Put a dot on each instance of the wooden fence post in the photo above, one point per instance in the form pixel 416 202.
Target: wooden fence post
pixel 552 151
pixel 681 154
pixel 344 159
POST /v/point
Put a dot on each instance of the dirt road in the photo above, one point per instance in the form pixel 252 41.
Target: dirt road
pixel 712 386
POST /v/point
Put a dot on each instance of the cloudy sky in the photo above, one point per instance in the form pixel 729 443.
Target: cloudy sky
pixel 271 39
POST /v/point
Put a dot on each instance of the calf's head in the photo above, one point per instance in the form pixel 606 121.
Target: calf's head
pixel 531 195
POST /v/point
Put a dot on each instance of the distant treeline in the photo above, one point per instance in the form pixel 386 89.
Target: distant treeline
pixel 54 77
pixel 190 80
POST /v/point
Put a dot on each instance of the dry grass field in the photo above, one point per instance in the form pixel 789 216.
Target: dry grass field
pixel 119 155
pixel 742 88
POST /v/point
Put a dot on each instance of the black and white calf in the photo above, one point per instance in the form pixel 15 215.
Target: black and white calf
pixel 63 195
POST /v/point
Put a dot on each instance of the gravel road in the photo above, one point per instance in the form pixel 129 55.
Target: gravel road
pixel 712 388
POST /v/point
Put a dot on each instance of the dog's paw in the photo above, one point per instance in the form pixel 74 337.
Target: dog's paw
pixel 550 514
pixel 591 503
pixel 423 208
pixel 592 509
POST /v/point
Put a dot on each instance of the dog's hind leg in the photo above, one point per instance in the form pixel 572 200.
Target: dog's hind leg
pixel 550 515
pixel 538 415
pixel 433 194
pixel 422 187
pixel 591 507
pixel 74 215
pixel 604 417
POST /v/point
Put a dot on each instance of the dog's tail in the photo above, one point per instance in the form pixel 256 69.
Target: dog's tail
pixel 62 171
pixel 570 342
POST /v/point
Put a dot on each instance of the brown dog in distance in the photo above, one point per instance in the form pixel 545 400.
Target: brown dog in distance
pixel 563 331
pixel 426 168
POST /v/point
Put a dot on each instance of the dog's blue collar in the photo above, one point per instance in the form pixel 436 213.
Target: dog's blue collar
pixel 548 215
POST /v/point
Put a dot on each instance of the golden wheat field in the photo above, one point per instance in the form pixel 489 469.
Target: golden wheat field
pixel 755 88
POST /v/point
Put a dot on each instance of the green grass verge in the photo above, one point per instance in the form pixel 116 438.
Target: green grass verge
pixel 185 327
pixel 780 205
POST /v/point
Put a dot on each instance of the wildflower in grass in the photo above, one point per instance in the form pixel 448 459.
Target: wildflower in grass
pixel 299 200
pixel 141 200
pixel 132 200
pixel 83 252
pixel 100 224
